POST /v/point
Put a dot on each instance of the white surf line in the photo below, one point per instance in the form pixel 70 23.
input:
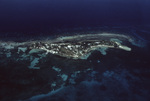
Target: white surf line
pixel 92 35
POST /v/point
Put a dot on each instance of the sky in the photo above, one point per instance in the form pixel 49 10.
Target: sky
pixel 29 15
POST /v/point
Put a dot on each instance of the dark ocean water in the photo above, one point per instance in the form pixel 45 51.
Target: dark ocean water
pixel 33 32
